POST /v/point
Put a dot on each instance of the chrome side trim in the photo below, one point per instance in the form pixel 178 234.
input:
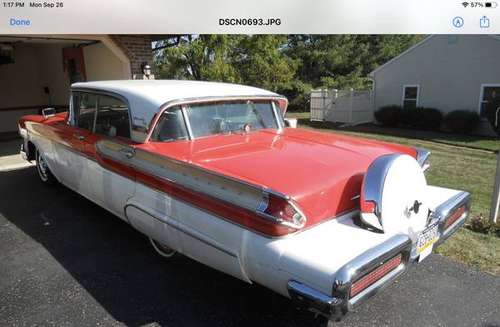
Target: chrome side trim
pixel 181 228
pixel 153 164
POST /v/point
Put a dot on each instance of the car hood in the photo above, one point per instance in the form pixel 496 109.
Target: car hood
pixel 321 172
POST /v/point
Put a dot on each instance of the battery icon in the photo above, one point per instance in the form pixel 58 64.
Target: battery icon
pixel 490 4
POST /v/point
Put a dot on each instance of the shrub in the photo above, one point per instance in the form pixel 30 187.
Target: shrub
pixel 428 118
pixel 388 115
pixel 480 224
pixel 461 121
pixel 408 117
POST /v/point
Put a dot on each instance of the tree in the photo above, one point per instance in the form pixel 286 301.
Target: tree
pixel 291 65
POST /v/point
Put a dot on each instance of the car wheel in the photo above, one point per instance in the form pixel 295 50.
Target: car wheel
pixel 162 249
pixel 43 169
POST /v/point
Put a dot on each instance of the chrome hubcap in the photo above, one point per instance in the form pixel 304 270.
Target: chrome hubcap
pixel 42 167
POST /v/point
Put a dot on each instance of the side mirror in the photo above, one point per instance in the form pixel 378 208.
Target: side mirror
pixel 48 112
pixel 291 122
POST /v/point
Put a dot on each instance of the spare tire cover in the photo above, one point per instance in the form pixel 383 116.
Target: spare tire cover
pixel 401 204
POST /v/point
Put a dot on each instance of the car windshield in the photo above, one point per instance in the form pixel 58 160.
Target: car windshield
pixel 230 117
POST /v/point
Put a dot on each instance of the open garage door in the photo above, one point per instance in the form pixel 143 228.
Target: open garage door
pixel 36 72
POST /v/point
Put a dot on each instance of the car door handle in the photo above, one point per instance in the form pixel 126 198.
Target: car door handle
pixel 128 152
pixel 79 137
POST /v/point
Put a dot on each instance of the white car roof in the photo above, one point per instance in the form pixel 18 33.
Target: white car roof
pixel 145 97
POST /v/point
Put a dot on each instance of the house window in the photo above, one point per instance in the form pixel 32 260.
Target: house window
pixel 490 97
pixel 410 96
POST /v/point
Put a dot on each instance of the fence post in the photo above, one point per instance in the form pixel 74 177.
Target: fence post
pixel 495 201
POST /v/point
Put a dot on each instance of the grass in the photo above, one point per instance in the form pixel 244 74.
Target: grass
pixel 466 163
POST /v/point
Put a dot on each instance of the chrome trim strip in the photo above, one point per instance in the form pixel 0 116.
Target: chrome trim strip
pixel 444 210
pixel 187 101
pixel 186 122
pixel 180 227
pixel 339 302
pixel 367 262
pixel 422 157
pixel 313 298
pixel 102 149
pixel 105 93
pixel 373 183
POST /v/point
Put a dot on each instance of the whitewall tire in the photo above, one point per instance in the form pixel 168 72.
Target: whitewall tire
pixel 162 249
pixel 43 170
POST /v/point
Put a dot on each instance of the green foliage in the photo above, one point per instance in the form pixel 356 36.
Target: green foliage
pixel 298 93
pixel 482 225
pixel 289 64
pixel 461 121
pixel 428 118
pixel 408 117
pixel 388 115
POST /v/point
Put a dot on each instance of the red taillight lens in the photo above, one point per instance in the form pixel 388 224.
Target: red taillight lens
pixel 282 211
pixel 367 206
pixel 373 276
pixel 454 217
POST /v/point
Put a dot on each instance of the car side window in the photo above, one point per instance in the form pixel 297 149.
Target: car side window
pixel 170 126
pixel 84 109
pixel 112 117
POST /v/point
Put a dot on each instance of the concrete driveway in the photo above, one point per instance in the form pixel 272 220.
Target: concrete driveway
pixel 66 262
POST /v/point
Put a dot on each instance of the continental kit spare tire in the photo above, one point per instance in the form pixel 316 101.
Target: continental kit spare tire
pixel 393 195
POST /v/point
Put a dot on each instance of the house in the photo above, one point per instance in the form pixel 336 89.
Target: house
pixel 446 72
pixel 36 70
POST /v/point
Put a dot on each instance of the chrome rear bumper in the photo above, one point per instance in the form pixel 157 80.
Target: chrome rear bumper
pixel 337 304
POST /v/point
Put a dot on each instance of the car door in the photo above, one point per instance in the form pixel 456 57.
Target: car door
pixel 70 158
pixel 110 178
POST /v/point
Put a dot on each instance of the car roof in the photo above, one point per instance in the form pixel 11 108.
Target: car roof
pixel 146 97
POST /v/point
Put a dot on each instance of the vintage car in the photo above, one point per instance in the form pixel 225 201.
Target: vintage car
pixel 215 172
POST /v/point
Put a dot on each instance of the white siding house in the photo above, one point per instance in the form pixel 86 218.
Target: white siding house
pixel 446 72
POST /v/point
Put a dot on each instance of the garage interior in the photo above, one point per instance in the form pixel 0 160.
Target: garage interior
pixel 36 72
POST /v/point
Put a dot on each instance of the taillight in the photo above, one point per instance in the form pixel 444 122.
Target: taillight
pixel 367 206
pixel 281 210
pixel 376 274
pixel 459 213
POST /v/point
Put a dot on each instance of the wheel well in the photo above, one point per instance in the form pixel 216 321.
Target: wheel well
pixel 31 151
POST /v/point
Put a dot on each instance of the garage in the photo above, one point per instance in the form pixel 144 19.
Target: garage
pixel 36 71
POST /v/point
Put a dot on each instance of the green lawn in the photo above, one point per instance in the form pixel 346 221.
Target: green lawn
pixel 455 163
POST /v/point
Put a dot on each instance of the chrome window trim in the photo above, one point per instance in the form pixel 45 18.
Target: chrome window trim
pixel 186 122
pixel 105 93
pixel 194 100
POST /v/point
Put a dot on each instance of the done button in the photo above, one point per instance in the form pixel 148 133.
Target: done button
pixel 19 22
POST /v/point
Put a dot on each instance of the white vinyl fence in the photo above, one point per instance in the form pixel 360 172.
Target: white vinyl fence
pixel 342 106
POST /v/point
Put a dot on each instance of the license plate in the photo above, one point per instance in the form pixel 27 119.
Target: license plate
pixel 426 241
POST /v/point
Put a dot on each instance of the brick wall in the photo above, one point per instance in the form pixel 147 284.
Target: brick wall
pixel 137 48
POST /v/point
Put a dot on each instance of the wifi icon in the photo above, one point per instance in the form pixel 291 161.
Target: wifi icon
pixel 465 4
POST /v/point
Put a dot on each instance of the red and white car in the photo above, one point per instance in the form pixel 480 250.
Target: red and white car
pixel 213 171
